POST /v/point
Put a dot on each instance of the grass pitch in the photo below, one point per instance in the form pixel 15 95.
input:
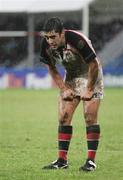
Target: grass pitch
pixel 28 137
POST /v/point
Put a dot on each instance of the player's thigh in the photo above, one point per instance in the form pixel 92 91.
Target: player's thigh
pixel 67 108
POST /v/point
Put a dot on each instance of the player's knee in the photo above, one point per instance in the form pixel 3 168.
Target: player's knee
pixel 90 118
pixel 64 119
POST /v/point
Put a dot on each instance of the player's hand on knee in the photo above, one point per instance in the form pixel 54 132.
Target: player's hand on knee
pixel 87 95
pixel 68 95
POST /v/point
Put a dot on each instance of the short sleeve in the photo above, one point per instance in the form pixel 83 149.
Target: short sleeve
pixel 81 43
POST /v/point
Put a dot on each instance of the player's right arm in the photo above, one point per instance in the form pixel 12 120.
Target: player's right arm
pixel 47 58
pixel 66 92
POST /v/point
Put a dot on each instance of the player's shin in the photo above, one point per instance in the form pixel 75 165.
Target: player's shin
pixel 93 135
pixel 64 137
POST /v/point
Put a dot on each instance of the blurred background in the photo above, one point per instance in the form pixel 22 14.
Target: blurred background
pixel 21 23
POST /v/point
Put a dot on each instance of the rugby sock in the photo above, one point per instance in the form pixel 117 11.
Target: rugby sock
pixel 64 137
pixel 93 135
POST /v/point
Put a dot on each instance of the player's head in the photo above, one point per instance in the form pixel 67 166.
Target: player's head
pixel 53 24
pixel 54 32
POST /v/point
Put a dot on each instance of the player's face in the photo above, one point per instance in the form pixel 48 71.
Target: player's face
pixel 54 39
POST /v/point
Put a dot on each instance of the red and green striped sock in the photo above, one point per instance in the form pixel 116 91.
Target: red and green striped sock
pixel 93 135
pixel 64 137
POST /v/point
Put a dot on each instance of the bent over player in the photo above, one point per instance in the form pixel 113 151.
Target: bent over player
pixel 83 82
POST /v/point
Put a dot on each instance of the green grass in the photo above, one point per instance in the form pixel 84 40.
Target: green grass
pixel 28 137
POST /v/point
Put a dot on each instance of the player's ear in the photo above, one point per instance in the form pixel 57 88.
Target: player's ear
pixel 62 33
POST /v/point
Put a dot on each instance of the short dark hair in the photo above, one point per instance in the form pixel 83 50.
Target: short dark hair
pixel 53 23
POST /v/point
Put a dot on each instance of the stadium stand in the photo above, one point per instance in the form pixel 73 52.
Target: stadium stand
pixel 106 24
pixel 116 63
pixel 99 33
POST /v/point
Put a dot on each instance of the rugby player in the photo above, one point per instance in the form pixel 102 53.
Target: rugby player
pixel 83 82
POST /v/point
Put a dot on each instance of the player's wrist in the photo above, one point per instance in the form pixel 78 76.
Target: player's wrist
pixel 90 88
pixel 64 88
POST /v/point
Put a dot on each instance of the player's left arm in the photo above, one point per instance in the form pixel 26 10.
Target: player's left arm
pixel 92 78
pixel 92 74
pixel 85 49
